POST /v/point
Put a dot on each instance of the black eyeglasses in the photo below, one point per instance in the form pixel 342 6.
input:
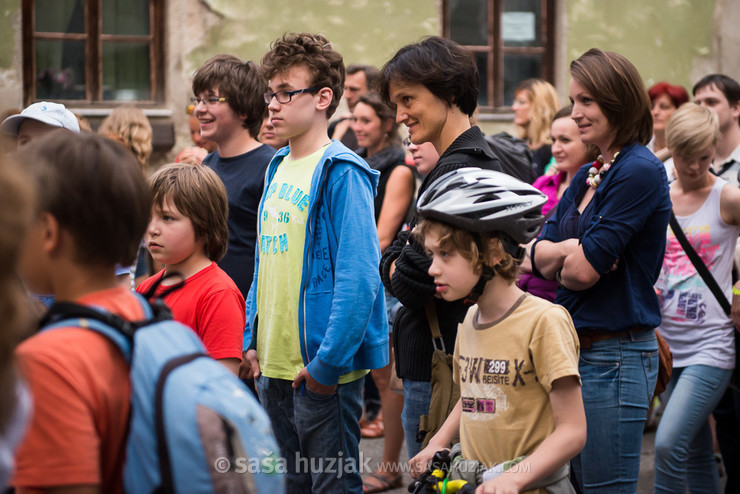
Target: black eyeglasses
pixel 209 101
pixel 284 97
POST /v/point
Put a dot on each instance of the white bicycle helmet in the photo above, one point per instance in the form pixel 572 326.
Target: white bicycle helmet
pixel 484 201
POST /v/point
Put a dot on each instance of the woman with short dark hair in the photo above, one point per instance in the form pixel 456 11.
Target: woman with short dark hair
pixel 433 85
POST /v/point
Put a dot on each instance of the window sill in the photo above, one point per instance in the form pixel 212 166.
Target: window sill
pixel 104 112
pixel 492 116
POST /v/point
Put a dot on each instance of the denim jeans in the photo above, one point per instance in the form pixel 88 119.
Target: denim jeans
pixel 684 450
pixel 416 398
pixel 318 435
pixel 618 379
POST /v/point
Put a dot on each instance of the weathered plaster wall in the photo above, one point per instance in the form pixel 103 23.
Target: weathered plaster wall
pixel 675 40
pixel 11 78
pixel 364 31
pixel 668 40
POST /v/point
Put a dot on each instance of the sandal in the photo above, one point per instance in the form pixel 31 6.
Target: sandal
pixel 381 483
pixel 374 429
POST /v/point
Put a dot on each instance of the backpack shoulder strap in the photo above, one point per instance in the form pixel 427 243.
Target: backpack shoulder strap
pixel 116 329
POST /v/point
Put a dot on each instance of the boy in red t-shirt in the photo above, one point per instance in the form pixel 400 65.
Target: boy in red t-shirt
pixel 188 234
pixel 92 212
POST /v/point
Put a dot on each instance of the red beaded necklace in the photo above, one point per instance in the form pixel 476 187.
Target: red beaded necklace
pixel 598 170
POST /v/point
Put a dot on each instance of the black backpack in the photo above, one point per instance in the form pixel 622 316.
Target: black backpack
pixel 514 155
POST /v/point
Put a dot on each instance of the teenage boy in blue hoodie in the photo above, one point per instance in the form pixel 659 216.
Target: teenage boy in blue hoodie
pixel 316 310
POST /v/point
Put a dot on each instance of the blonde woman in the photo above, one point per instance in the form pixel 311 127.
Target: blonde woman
pixel 700 333
pixel 535 104
pixel 129 126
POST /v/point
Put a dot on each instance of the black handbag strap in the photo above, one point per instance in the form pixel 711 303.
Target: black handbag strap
pixel 701 268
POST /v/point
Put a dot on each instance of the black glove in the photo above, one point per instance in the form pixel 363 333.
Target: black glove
pixel 411 283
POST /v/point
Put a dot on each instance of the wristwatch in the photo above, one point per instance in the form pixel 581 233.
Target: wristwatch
pixel 559 278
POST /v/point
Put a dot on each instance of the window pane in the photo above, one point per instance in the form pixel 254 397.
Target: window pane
pixel 520 23
pixel 60 69
pixel 126 17
pixel 469 21
pixel 60 16
pixel 516 69
pixel 126 71
pixel 482 62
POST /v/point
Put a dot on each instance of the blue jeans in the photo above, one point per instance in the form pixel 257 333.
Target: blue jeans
pixel 684 450
pixel 618 379
pixel 318 435
pixel 416 398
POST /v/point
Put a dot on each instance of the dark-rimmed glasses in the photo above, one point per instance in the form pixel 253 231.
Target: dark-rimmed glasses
pixel 284 97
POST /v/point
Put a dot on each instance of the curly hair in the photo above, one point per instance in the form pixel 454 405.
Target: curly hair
pixel 458 240
pixel 544 103
pixel 313 51
pixel 129 126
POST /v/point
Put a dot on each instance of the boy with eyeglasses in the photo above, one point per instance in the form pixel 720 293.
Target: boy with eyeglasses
pixel 316 318
pixel 230 108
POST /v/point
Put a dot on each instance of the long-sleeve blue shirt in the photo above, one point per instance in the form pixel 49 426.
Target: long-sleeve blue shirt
pixel 626 220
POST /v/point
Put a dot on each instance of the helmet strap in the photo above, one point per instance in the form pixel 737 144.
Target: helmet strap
pixel 487 274
pixel 513 249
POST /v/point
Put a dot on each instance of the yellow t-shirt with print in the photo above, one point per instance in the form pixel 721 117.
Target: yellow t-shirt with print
pixel 505 371
pixel 281 243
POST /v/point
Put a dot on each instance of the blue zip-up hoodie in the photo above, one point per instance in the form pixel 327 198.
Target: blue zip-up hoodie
pixel 342 319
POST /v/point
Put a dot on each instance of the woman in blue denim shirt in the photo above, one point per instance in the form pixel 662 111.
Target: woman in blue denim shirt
pixel 604 247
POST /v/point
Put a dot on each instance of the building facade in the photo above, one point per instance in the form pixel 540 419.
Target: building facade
pixel 96 54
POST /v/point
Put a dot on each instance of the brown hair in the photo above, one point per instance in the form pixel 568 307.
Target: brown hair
pixel 617 88
pixel 382 110
pixel 16 211
pixel 544 102
pixel 316 53
pixel 372 74
pixel 129 126
pixel 94 188
pixel 240 83
pixel 199 194
pixel 592 152
pixel 691 130
pixel 458 240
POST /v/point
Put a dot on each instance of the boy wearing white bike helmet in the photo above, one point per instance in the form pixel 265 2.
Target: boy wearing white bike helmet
pixel 516 356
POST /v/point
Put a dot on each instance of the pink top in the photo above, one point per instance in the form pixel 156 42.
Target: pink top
pixel 549 184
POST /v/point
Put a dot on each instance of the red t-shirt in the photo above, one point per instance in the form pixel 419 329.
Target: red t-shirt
pixel 212 305
pixel 81 401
